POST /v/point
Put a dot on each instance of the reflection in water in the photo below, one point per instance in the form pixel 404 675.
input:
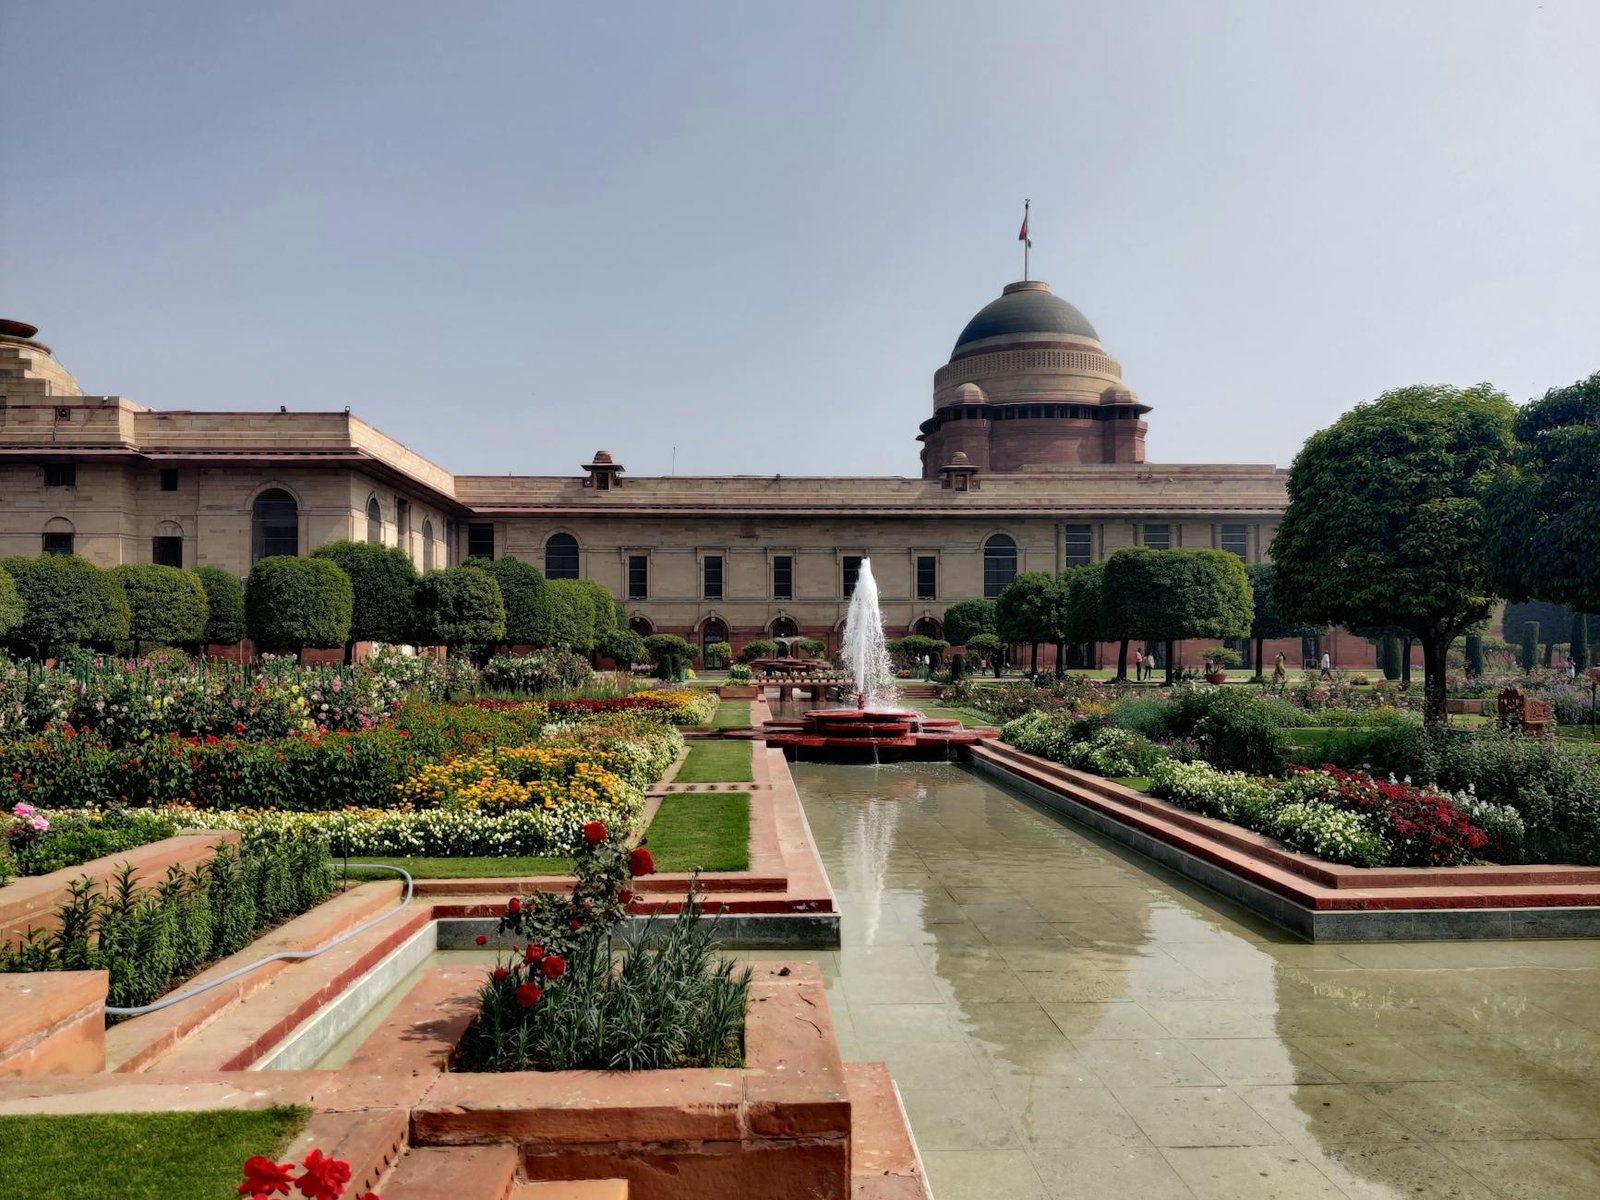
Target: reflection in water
pixel 1064 1019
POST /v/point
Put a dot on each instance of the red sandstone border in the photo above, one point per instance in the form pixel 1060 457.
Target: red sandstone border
pixel 1308 881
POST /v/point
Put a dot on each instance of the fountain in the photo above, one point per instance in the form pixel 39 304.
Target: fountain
pixel 874 728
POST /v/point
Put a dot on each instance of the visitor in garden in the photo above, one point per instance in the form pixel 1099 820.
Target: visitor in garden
pixel 1327 666
pixel 1278 673
pixel 1138 665
pixel 1149 663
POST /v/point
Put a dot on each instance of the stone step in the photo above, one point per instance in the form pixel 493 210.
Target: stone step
pixel 370 1140
pixel 454 1173
pixel 884 1163
pixel 575 1189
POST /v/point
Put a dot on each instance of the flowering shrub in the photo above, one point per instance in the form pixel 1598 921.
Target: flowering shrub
pixel 679 706
pixel 38 843
pixel 1328 832
pixel 1422 828
pixel 541 671
pixel 1197 786
pixel 523 777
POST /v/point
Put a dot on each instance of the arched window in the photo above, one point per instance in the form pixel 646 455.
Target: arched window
pixel 641 626
pixel 927 627
pixel 58 536
pixel 711 632
pixel 275 525
pixel 427 546
pixel 374 522
pixel 999 564
pixel 784 627
pixel 561 556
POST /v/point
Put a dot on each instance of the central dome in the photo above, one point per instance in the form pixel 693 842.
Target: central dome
pixel 1026 308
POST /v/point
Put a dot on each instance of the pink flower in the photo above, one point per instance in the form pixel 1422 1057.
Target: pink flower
pixel 38 824
pixel 23 810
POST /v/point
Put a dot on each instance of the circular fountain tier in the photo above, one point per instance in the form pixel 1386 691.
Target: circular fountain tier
pixel 848 733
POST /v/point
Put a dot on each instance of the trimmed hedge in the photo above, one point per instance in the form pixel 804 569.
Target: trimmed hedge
pixel 224 606
pixel 166 606
pixel 291 603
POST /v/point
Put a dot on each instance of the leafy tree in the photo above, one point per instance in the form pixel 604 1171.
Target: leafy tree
pixel 224 607
pixel 1031 609
pixel 1578 645
pixel 717 655
pixel 1170 595
pixel 988 648
pixel 1547 614
pixel 384 582
pixel 1474 654
pixel 967 618
pixel 1269 623
pixel 526 595
pixel 1385 520
pixel 670 653
pixel 815 647
pixel 622 646
pixel 166 606
pixel 911 650
pixel 1087 619
pixel 459 608
pixel 757 648
pixel 1530 645
pixel 571 615
pixel 10 603
pixel 606 612
pixel 291 603
pixel 1542 515
pixel 66 601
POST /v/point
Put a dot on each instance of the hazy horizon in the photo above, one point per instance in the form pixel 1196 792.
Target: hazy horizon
pixel 509 235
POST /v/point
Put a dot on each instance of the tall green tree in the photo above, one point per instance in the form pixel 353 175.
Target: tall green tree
pixel 966 619
pixel 1385 523
pixel 571 615
pixel 166 606
pixel 1543 511
pixel 460 608
pixel 224 607
pixel 1578 645
pixel 1032 609
pixel 291 603
pixel 1170 595
pixel 10 603
pixel 66 601
pixel 526 596
pixel 384 581
pixel 1268 622
pixel 1087 619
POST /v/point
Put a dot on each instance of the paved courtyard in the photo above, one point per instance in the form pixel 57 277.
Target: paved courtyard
pixel 1066 1021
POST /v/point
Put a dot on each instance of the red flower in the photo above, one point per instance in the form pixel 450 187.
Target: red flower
pixel 263 1177
pixel 514 904
pixel 500 972
pixel 535 952
pixel 481 939
pixel 528 994
pixel 324 1178
pixel 642 862
pixel 554 967
pixel 625 895
pixel 573 924
pixel 238 726
pixel 594 832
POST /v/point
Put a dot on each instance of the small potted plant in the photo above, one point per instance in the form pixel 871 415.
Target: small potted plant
pixel 1218 660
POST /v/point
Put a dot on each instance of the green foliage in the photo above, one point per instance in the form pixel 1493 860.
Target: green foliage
pixel 11 611
pixel 915 649
pixel 622 645
pixel 224 606
pixel 670 654
pixel 571 615
pixel 77 838
pixel 966 619
pixel 1234 730
pixel 523 590
pixel 1529 653
pixel 602 605
pixel 291 603
pixel 1547 614
pixel 717 654
pixel 1474 654
pixel 990 649
pixel 758 648
pixel 1543 512
pixel 1578 643
pixel 1170 595
pixel 384 582
pixel 537 673
pixel 1385 522
pixel 66 601
pixel 460 608
pixel 166 606
pixel 1032 609
pixel 1087 619
pixel 1268 622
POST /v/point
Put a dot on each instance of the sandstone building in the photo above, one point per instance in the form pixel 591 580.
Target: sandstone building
pixel 1033 459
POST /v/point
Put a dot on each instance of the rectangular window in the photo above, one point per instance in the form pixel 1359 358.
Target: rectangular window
pixel 927 577
pixel 1158 537
pixel 1235 539
pixel 58 543
pixel 852 572
pixel 167 551
pixel 638 577
pixel 1080 545
pixel 480 539
pixel 712 570
pixel 783 577
pixel 61 475
pixel 169 479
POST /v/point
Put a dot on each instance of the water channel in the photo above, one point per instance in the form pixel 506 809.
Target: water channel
pixel 1066 1020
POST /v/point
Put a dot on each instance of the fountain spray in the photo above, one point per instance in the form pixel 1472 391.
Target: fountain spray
pixel 865 653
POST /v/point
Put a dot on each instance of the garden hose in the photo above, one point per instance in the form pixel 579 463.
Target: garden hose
pixel 282 955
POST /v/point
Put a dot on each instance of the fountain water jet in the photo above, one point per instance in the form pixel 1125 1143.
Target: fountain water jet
pixel 865 652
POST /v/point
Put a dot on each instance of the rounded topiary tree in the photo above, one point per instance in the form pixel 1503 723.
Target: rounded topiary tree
pixel 718 654
pixel 571 616
pixel 10 603
pixel 670 654
pixel 623 646
pixel 1530 645
pixel 166 606
pixel 383 580
pixel 66 601
pixel 987 647
pixel 224 607
pixel 460 608
pixel 757 648
pixel 291 603
pixel 965 619
pixel 526 597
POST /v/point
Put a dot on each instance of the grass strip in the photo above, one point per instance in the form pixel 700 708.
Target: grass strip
pixel 705 831
pixel 716 762
pixel 732 714
pixel 482 867
pixel 139 1156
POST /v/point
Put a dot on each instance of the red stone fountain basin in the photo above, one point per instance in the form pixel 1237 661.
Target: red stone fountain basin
pixel 851 732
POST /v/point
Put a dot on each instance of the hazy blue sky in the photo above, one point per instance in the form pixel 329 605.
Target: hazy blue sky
pixel 510 234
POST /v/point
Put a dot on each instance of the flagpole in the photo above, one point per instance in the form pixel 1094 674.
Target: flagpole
pixel 1027 242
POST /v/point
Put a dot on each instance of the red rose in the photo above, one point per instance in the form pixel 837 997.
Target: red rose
pixel 533 954
pixel 481 939
pixel 324 1178
pixel 642 862
pixel 528 994
pixel 514 904
pixel 500 972
pixel 263 1177
pixel 594 832
pixel 573 924
pixel 554 967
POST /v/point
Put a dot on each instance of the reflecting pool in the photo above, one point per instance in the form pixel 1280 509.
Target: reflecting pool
pixel 1065 1019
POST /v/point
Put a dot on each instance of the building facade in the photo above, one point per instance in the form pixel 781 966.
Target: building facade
pixel 1033 459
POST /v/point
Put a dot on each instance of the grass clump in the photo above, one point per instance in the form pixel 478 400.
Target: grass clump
pixel 469 867
pixel 702 831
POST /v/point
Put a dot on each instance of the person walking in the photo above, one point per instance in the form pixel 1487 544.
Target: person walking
pixel 1327 666
pixel 1149 663
pixel 1278 673
pixel 1138 666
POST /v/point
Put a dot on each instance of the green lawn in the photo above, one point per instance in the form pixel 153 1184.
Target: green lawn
pixel 716 762
pixel 1137 782
pixel 708 831
pixel 138 1156
pixel 967 716
pixel 732 714
pixel 487 867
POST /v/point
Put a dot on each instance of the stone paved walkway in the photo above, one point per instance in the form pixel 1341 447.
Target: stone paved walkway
pixel 1067 1021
